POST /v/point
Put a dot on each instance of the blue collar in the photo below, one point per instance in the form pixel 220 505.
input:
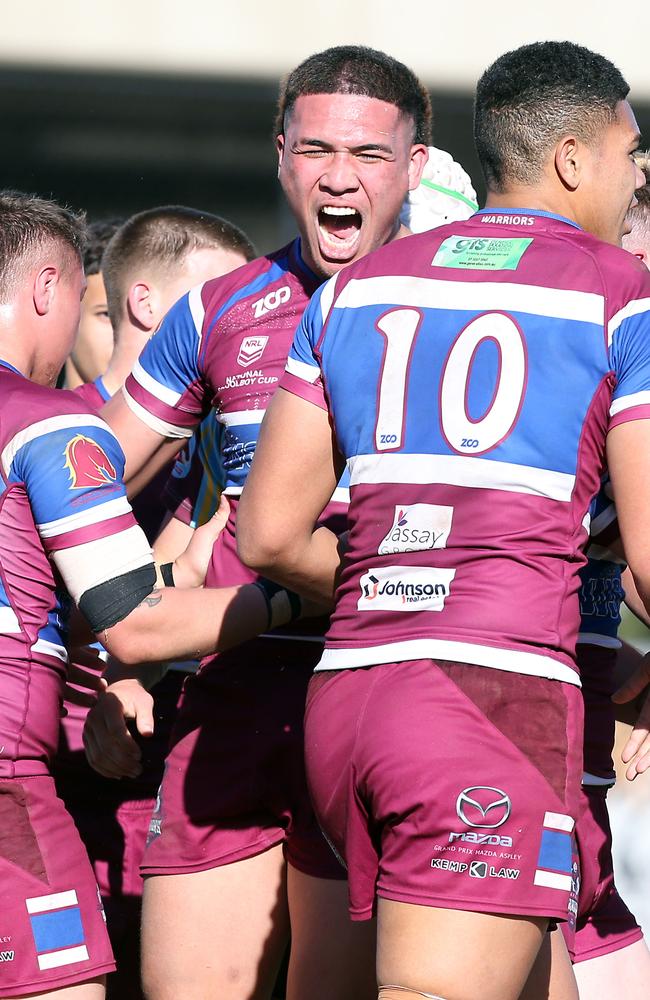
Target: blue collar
pixel 529 211
pixel 101 389
pixel 5 364
pixel 297 246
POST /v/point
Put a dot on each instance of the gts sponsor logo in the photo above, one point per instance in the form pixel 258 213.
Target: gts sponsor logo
pixel 481 838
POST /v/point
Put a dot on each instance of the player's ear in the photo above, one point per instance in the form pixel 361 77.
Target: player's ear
pixel 279 145
pixel 568 160
pixel 44 289
pixel 140 307
pixel 417 163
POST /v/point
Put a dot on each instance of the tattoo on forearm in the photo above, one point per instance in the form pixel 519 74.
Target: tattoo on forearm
pixel 154 598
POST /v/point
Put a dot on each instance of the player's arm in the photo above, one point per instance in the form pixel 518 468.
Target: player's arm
pixel 294 472
pixel 632 598
pixel 162 400
pixel 293 476
pixel 628 458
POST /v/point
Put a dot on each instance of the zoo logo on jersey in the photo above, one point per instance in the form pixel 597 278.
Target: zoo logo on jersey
pixel 88 464
pixel 405 588
pixel 417 527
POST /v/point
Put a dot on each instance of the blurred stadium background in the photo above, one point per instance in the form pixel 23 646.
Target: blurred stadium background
pixel 138 103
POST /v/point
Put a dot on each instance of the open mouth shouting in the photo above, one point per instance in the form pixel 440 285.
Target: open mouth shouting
pixel 339 231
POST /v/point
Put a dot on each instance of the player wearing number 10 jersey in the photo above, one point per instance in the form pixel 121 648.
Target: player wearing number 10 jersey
pixel 468 378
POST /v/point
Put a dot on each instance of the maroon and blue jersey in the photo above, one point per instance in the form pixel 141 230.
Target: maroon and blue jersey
pixel 223 347
pixel 65 527
pixel 472 374
pixel 195 484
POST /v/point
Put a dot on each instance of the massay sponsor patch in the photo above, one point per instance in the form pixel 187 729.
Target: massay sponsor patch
pixel 417 527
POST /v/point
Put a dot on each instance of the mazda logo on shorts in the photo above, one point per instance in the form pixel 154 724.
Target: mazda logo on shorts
pixel 483 806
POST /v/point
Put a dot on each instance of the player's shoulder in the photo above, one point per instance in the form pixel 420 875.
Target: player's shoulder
pixel 91 395
pixel 26 404
pixel 626 278
pixel 41 400
pixel 34 415
pixel 255 278
pixel 410 255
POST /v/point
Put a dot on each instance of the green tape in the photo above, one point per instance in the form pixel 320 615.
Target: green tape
pixel 450 192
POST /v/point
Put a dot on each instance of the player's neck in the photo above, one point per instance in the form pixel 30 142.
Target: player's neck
pixel 532 198
pixel 72 378
pixel 129 343
pixel 17 352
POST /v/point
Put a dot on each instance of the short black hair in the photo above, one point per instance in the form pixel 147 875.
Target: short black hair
pixel 355 69
pixel 530 97
pixel 99 235
pixel 30 224
pixel 161 238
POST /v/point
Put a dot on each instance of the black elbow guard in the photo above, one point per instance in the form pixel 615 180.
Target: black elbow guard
pixel 110 602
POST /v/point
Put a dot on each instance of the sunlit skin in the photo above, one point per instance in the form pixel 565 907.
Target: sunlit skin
pixel 94 344
pixel 151 293
pixel 197 266
pixel 346 163
pixel 592 183
pixel 64 313
pixel 612 169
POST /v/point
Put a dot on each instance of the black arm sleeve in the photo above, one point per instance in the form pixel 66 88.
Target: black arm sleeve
pixel 110 602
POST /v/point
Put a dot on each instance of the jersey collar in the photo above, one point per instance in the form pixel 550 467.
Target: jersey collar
pixel 529 211
pixel 101 389
pixel 5 364
pixel 307 271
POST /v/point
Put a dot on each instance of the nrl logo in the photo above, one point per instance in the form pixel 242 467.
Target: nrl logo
pixel 251 350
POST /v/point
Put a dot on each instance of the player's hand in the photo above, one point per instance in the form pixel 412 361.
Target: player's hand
pixel 83 680
pixel 636 752
pixel 109 746
pixel 191 566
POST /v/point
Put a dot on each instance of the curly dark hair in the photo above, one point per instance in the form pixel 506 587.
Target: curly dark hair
pixel 355 69
pixel 529 98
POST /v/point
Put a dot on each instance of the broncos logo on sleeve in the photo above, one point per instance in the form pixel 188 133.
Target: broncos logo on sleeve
pixel 88 463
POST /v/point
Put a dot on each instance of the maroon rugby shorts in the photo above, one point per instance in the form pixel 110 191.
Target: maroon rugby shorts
pixel 52 925
pixel 604 922
pixel 448 784
pixel 234 782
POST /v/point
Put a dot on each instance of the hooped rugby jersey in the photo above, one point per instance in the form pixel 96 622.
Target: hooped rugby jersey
pixel 472 374
pixel 224 346
pixel 64 516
